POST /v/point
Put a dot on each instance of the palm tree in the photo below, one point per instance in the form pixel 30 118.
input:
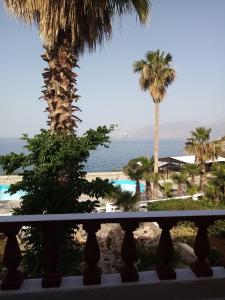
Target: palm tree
pixel 147 167
pixel 127 200
pixel 199 144
pixel 134 171
pixel 192 170
pixel 215 189
pixel 167 189
pixel 67 29
pixel 181 180
pixel 156 75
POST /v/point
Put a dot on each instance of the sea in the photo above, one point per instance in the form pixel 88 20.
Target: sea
pixel 112 158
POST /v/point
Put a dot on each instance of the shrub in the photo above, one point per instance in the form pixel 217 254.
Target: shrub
pixel 183 204
pixel 53 180
pixel 217 230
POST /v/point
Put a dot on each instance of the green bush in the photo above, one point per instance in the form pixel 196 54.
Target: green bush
pixel 149 259
pixel 217 230
pixel 53 180
pixel 183 204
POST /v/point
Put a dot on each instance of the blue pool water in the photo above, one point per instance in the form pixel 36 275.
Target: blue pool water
pixel 128 185
pixel 4 195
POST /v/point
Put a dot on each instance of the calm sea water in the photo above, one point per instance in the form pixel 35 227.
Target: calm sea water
pixel 114 157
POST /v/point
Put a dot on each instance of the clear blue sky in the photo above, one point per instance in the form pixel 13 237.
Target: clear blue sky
pixel 192 31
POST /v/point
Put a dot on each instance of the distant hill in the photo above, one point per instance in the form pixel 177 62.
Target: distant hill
pixel 172 130
pixel 218 129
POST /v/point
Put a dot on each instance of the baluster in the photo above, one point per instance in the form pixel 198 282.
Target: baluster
pixel 92 273
pixel 129 254
pixel 165 251
pixel 201 248
pixel 11 259
pixel 51 277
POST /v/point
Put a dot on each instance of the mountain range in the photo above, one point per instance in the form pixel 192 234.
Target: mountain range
pixel 171 130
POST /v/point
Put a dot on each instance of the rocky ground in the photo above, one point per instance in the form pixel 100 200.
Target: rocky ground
pixel 110 239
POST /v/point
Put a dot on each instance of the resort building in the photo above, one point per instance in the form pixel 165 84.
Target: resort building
pixel 174 163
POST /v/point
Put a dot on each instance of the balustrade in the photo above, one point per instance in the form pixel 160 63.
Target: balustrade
pixel 51 277
pixel 51 225
pixel 129 253
pixel 11 259
pixel 165 251
pixel 202 248
pixel 92 273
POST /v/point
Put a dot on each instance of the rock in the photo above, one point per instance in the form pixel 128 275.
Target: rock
pixel 186 252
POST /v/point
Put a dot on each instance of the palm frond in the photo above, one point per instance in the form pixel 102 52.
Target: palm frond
pixel 87 22
pixel 156 73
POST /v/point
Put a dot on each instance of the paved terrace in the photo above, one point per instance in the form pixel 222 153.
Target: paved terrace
pixel 10 179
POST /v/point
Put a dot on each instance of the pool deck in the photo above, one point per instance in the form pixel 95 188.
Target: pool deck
pixel 7 206
pixel 10 179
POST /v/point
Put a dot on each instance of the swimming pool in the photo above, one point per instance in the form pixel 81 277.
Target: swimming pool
pixel 4 195
pixel 128 185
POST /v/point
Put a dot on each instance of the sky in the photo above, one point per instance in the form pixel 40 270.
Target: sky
pixel 192 31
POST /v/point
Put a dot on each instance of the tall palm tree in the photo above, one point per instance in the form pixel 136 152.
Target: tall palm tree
pixel 156 75
pixel 199 145
pixel 68 28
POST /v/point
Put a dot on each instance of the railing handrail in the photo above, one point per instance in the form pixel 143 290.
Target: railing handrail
pixel 117 217
pixel 51 225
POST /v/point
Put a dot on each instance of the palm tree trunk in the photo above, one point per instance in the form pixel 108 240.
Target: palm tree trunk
pixel 193 180
pixel 148 190
pixel 202 178
pixel 179 191
pixel 59 90
pixel 138 189
pixel 156 147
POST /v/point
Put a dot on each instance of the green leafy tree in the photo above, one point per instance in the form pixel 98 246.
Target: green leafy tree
pixel 156 74
pixel 199 145
pixel 67 29
pixel 53 180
